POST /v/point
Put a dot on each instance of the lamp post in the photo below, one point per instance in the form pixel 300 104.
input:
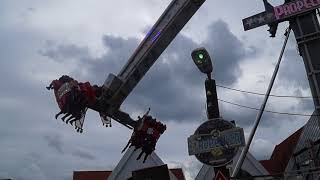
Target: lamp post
pixel 203 61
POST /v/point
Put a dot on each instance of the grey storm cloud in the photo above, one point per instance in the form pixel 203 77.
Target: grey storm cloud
pixel 227 51
pixel 245 117
pixel 294 76
pixel 62 52
pixel 84 155
pixel 173 87
pixel 55 142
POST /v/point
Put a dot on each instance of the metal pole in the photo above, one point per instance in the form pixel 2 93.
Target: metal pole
pixel 259 115
pixel 212 99
pixel 212 113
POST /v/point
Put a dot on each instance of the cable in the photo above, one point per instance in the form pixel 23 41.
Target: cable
pixel 269 111
pixel 261 94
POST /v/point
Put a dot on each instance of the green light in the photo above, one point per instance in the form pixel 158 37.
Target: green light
pixel 200 56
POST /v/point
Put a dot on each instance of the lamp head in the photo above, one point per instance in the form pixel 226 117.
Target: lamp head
pixel 201 58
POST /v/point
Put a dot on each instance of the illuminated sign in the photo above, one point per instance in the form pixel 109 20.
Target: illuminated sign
pixel 231 138
pixel 294 8
pixel 216 142
pixel 280 13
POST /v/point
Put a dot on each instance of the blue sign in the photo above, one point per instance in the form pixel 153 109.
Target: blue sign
pixel 216 142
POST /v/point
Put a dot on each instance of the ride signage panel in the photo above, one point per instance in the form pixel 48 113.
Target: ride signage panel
pixel 215 142
pixel 232 138
pixel 296 7
pixel 280 13
pixel 257 20
pixel 220 176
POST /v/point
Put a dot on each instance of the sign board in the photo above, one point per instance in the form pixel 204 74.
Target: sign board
pixel 258 20
pixel 294 8
pixel 280 13
pixel 231 138
pixel 215 142
pixel 220 176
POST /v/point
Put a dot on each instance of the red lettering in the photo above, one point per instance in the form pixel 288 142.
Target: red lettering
pixel 306 4
pixel 278 11
pixel 313 3
pixel 294 8
pixel 299 5
pixel 286 10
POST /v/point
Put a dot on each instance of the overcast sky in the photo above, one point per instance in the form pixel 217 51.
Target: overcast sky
pixel 42 40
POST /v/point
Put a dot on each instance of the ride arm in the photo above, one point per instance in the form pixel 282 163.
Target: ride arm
pixel 117 88
pixel 118 115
